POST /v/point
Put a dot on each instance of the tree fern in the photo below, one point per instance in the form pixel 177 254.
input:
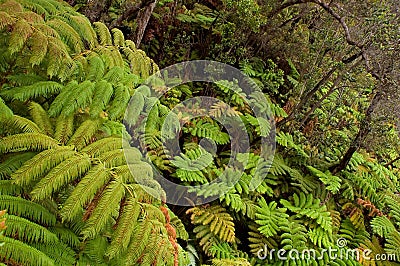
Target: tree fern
pixel 96 69
pixel 64 127
pixel 393 243
pixel 79 97
pixel 58 251
pixel 66 235
pixel 103 145
pixel 332 182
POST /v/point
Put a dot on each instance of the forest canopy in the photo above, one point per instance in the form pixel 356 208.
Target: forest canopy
pixel 88 116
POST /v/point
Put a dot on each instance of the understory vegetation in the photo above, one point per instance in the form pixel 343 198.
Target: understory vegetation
pixel 74 174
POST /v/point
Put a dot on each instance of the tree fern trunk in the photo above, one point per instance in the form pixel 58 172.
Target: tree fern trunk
pixel 95 9
pixel 142 21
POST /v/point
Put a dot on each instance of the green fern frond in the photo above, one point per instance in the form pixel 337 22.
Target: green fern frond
pixel 40 164
pixel 206 130
pixel 5 111
pixel 118 37
pixel 57 58
pixel 393 243
pixel 113 158
pixel 96 68
pixel 294 236
pixel 125 227
pixel 354 236
pixel 103 146
pixel 103 34
pixel 258 241
pixel 19 35
pixel 66 236
pixel 40 6
pixel 141 234
pixel 27 209
pixel 105 208
pixel 67 171
pixel 135 107
pixel 38 89
pixel 79 97
pixel 22 253
pixel 38 42
pixel 40 117
pixel 179 226
pixel 25 79
pixel 394 205
pixel 382 226
pixel 102 94
pixel 13 163
pixel 217 219
pixel 28 231
pixel 60 101
pixel 119 103
pixel 85 191
pixel 64 129
pixel 231 262
pixel 67 34
pixel 20 124
pixel 310 207
pixel 8 188
pixel 83 27
pixel 286 140
pixel 321 237
pixel 332 182
pixel 271 218
pixel 58 251
pixel 27 141
pixel 83 135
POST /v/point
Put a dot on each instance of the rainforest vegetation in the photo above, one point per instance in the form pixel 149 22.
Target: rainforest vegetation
pixel 75 175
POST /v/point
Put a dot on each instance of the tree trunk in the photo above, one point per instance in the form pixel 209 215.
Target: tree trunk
pixel 142 20
pixel 365 128
pixel 94 9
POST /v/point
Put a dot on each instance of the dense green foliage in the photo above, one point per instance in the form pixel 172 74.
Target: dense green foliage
pixel 74 187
